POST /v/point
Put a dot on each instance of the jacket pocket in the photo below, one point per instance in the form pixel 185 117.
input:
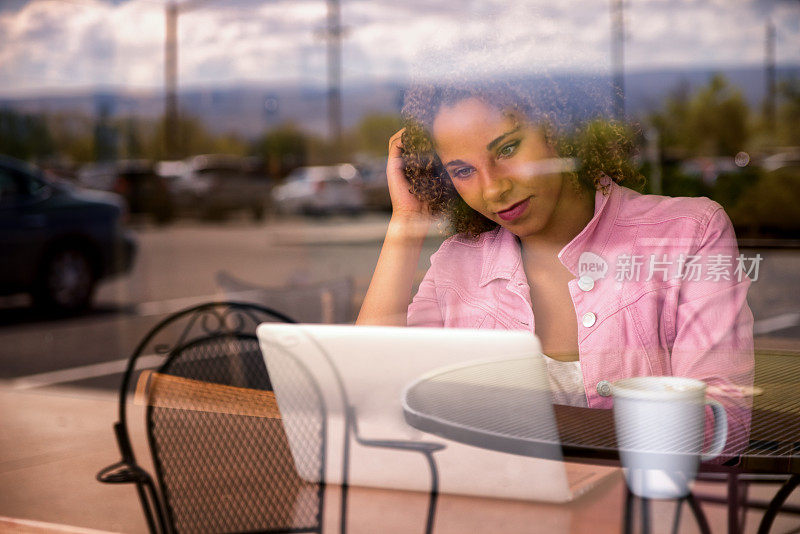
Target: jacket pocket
pixel 459 311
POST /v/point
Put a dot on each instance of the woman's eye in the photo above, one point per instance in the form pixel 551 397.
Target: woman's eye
pixel 508 150
pixel 461 173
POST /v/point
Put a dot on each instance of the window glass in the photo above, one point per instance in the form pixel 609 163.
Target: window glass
pixel 9 186
pixel 243 151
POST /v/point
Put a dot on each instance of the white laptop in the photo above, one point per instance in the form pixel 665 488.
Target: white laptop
pixel 372 366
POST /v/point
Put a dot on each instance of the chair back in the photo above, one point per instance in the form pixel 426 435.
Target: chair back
pixel 216 437
pixel 222 464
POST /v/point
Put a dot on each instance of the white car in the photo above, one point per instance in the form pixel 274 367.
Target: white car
pixel 321 190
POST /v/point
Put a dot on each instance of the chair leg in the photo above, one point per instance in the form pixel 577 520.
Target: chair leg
pixel 434 493
pixel 343 513
pixel 148 509
pixel 699 516
pixel 734 501
pixel 152 507
pixel 676 521
pixel 627 527
pixel 776 503
pixel 645 509
pixel 743 511
pixel 345 475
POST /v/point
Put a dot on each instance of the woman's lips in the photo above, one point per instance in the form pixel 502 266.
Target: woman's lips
pixel 514 211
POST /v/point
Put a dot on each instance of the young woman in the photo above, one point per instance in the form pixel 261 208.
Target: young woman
pixel 614 283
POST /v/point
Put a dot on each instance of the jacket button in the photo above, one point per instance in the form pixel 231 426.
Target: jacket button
pixel 586 283
pixel 588 319
pixel 604 388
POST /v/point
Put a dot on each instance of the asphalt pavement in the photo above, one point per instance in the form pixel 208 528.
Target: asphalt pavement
pixel 176 267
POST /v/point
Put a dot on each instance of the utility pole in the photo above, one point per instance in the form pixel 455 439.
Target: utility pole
pixel 171 82
pixel 334 34
pixel 769 72
pixel 618 59
pixel 171 113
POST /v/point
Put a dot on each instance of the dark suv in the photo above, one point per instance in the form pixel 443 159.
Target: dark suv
pixel 137 181
pixel 224 183
pixel 57 241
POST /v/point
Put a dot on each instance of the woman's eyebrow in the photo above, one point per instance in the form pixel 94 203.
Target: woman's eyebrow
pixel 455 162
pixel 499 140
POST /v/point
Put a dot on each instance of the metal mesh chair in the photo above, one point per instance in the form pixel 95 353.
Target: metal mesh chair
pixel 737 502
pixel 233 472
pixel 778 371
pixel 222 459
pixel 222 464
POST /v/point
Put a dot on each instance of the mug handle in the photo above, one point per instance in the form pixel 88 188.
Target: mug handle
pixel 720 431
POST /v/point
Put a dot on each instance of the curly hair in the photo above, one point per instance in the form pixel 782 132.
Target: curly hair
pixel 602 147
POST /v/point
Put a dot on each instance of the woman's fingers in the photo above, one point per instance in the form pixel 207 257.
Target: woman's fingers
pixel 396 144
pixel 402 199
pixel 397 137
pixel 395 152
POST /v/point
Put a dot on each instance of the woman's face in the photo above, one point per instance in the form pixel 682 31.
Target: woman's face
pixel 491 157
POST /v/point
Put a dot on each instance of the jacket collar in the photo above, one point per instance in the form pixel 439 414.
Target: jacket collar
pixel 503 258
pixel 595 235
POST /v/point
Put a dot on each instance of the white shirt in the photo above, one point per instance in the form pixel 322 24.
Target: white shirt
pixel 566 382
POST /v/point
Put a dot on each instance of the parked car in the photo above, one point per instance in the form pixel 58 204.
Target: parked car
pixel 223 183
pixel 137 181
pixel 183 190
pixel 375 186
pixel 56 240
pixel 321 190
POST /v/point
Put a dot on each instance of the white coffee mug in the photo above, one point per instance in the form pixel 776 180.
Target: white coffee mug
pixel 660 429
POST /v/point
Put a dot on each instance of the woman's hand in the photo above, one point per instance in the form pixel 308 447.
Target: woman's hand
pixel 389 292
pixel 403 202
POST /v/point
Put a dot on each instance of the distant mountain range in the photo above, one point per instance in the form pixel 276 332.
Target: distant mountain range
pixel 250 110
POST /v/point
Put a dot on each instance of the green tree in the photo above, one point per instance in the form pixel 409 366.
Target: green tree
pixel 192 138
pixel 604 147
pixel 788 113
pixel 672 123
pixel 711 122
pixel 73 135
pixel 373 132
pixel 25 136
pixel 719 116
pixel 230 144
pixel 133 145
pixel 283 149
pixel 770 206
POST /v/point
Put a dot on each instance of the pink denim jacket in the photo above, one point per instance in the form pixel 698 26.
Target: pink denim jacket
pixel 659 289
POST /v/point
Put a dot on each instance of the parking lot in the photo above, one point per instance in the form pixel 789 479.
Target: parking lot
pixel 177 266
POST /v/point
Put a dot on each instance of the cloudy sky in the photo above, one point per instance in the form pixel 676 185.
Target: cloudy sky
pixel 57 45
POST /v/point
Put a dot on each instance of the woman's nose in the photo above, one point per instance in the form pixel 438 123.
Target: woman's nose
pixel 496 184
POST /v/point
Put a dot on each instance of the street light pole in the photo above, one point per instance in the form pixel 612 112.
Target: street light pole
pixel 171 82
pixel 335 73
pixel 769 60
pixel 618 59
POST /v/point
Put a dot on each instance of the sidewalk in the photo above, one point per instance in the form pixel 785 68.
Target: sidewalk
pixel 339 231
pixel 54 440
